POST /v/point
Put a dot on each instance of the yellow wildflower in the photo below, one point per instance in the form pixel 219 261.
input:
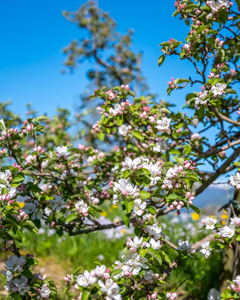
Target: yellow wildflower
pixel 225 217
pixel 195 216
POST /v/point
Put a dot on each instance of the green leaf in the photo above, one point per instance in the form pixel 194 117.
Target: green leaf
pixel 192 177
pixel 120 120
pixel 238 3
pixel 85 295
pixel 175 151
pixel 166 257
pixel 4 191
pixel 29 225
pixel 182 80
pixel 172 196
pixel 115 272
pixel 129 205
pixel 152 210
pixel 12 220
pixel 169 164
pixel 77 270
pixel 3 182
pixel 143 252
pixel 138 135
pixel 155 255
pixel 238 238
pixel 196 209
pixel 200 112
pixel 101 136
pixel 187 150
pixel 18 178
pixel 145 194
pixel 190 96
pixel 231 91
pixel 34 188
pixel 167 156
pixel 27 273
pixel 16 236
pixel 126 221
pixel 126 173
pixel 40 118
pixel 161 60
pixel 71 217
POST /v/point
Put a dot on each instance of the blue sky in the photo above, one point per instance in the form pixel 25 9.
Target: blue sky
pixel 34 32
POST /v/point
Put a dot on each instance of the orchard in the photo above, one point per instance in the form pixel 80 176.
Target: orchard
pixel 141 155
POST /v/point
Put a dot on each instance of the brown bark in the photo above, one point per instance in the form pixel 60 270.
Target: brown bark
pixel 231 257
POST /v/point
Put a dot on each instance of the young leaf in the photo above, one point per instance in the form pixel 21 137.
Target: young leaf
pixel 85 295
pixel 101 136
pixel 196 209
pixel 161 60
pixel 138 135
pixel 71 217
pixel 145 194
pixel 155 255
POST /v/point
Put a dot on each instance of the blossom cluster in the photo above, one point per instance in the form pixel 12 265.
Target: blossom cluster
pixel 18 283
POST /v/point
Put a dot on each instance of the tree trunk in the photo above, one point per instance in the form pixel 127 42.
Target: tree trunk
pixel 231 258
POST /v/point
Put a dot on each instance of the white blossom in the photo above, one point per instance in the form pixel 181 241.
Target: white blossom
pixel 110 288
pixel 161 146
pixel 185 246
pixel 20 285
pixel 194 121
pixel 149 276
pixel 45 291
pixel 201 99
pixel 114 111
pixel 8 274
pixel 172 172
pixel 154 170
pixel 155 244
pixel 131 163
pixel 5 175
pixel 123 130
pixel 218 89
pixel 100 270
pixel 154 231
pixel 206 250
pixel 139 207
pixel 227 232
pixel 135 261
pixel 62 151
pixel 234 222
pixel 237 280
pixel 135 243
pixel 171 296
pixel 195 136
pixel 163 124
pixel 57 204
pixel 14 262
pixel 209 222
pixel 29 208
pixel 30 158
pixel 82 207
pixel 125 186
pixel 235 180
pixel 86 279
